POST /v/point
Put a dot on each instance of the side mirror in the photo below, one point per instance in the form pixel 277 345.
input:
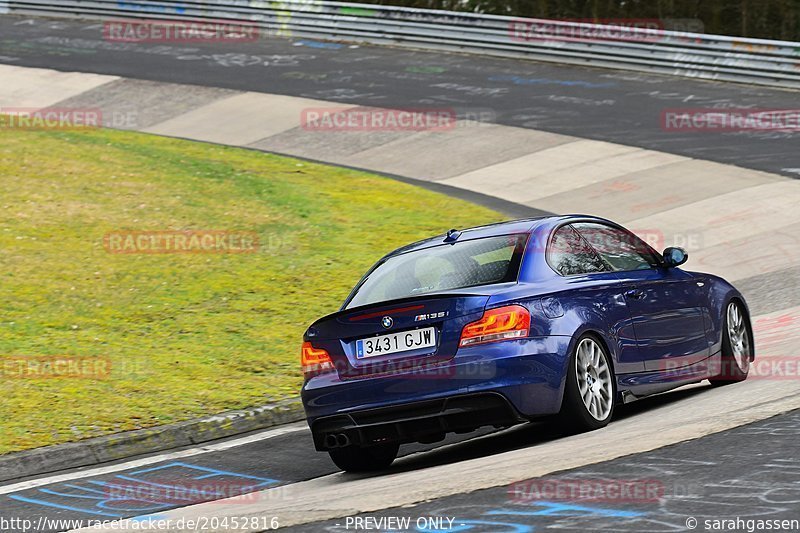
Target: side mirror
pixel 674 257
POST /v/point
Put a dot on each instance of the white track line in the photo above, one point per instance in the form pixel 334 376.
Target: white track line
pixel 226 445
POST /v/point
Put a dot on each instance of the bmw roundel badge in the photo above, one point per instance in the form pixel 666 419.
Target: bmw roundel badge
pixel 387 322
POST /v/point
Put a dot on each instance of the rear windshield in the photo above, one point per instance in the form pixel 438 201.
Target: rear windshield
pixel 441 268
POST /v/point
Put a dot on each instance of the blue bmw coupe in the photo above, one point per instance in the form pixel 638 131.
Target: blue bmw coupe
pixel 501 324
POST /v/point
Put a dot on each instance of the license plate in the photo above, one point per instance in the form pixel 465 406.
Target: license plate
pixel 396 343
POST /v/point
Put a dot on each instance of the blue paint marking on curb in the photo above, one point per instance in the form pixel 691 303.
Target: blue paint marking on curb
pixel 138 494
pixel 56 493
pixel 59 506
pixel 318 44
pixel 565 509
pixel 210 472
pixel 545 509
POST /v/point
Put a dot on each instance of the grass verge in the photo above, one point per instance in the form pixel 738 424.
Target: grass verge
pixel 189 334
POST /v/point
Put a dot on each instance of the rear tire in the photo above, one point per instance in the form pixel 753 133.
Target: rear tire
pixel 369 459
pixel 737 346
pixel 590 389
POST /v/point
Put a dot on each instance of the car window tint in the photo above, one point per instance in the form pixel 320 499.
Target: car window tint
pixel 441 268
pixel 568 254
pixel 622 250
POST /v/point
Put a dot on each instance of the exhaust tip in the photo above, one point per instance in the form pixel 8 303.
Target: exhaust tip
pixel 331 441
pixel 342 440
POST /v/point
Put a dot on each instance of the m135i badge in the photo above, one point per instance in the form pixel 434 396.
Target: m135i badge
pixel 430 316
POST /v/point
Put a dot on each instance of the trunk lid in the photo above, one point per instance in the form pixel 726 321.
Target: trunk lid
pixel 398 336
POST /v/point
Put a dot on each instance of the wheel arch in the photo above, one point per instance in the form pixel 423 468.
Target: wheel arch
pixel 738 298
pixel 598 335
pixel 574 412
pixel 611 361
pixel 720 295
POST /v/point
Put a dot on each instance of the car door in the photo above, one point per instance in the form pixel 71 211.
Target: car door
pixel 593 293
pixel 667 305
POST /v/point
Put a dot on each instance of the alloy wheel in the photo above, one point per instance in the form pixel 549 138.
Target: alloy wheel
pixel 594 379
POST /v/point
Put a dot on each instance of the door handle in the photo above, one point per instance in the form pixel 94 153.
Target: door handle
pixel 635 294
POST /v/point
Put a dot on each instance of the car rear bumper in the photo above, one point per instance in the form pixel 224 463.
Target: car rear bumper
pixel 415 421
pixel 527 375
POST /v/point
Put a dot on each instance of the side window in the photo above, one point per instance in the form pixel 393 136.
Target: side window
pixel 624 251
pixel 568 254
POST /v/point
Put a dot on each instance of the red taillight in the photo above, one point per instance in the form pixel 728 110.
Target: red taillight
pixel 314 360
pixel 499 324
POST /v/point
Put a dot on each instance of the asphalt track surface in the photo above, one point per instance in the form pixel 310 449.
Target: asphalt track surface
pixel 599 104
pixel 752 467
pixel 755 464
pixel 144 489
pixel 750 473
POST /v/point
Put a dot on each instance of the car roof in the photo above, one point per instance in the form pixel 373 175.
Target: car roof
pixel 509 227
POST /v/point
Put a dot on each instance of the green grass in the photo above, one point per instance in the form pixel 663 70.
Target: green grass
pixel 187 334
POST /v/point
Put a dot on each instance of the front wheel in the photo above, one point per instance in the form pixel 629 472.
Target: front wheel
pixel 590 388
pixel 737 346
pixel 369 459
